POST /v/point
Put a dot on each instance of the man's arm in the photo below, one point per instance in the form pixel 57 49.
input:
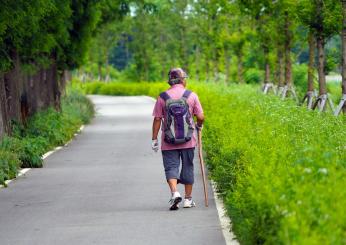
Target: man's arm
pixel 156 127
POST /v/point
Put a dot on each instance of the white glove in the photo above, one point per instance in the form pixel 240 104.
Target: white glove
pixel 155 145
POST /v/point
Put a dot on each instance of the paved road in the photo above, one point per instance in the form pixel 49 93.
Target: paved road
pixel 106 187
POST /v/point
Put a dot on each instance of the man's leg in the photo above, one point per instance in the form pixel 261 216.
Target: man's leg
pixel 172 185
pixel 171 162
pixel 187 171
pixel 188 191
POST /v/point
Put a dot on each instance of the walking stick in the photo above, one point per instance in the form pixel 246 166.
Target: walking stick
pixel 200 154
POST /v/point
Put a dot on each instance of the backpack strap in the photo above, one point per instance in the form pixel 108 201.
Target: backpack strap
pixel 186 94
pixel 164 96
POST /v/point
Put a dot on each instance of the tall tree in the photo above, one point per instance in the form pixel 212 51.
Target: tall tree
pixel 310 94
pixel 262 14
pixel 342 103
pixel 39 40
pixel 323 19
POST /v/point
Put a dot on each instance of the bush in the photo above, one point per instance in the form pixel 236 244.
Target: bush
pixel 9 163
pixel 44 131
pixel 300 78
pixel 334 90
pixel 253 75
pixel 28 150
pixel 280 169
pixel 124 89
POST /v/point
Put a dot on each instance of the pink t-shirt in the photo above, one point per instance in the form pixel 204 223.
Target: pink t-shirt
pixel 176 92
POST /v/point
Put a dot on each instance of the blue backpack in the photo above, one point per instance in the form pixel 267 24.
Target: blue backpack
pixel 177 125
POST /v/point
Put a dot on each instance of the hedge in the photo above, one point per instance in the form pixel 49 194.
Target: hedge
pixel 279 168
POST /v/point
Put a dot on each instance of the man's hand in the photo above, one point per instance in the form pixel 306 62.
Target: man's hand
pixel 155 145
pixel 199 127
pixel 200 120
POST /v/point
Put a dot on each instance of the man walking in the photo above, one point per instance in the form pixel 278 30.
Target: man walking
pixel 174 111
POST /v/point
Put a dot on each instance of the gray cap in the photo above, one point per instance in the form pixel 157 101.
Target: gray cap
pixel 176 76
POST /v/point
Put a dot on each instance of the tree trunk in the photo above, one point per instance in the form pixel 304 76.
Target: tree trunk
pixel 267 73
pixel 240 69
pixel 288 41
pixel 207 68
pixel 184 49
pixel 198 63
pixel 99 67
pixel 266 66
pixel 343 40
pixel 3 109
pixel 280 72
pixel 12 80
pixel 55 81
pixel 108 77
pixel 320 66
pixel 65 78
pixel 227 66
pixel 146 68
pixel 31 92
pixel 216 65
pixel 311 66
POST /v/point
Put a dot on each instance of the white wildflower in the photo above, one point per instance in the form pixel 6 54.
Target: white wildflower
pixel 307 170
pixel 323 170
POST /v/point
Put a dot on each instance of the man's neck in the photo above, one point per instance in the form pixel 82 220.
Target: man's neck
pixel 178 85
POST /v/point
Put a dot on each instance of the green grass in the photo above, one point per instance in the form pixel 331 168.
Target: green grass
pixel 280 169
pixel 43 132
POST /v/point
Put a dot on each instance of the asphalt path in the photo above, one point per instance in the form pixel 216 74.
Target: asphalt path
pixel 105 187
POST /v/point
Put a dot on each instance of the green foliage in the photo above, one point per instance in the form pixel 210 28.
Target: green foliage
pixel 57 128
pixel 122 88
pixel 9 164
pixel 28 150
pixel 77 109
pixel 323 17
pixel 280 169
pixel 300 78
pixel 253 75
pixel 277 167
pixel 334 90
pixel 40 30
pixel 44 131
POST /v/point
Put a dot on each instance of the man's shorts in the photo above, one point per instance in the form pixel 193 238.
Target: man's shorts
pixel 171 163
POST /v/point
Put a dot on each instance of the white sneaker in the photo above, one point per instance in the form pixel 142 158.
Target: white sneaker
pixel 189 203
pixel 175 200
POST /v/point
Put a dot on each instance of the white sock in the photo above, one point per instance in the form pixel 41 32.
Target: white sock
pixel 174 193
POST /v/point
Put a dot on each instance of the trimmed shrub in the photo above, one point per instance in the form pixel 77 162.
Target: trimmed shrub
pixel 280 169
pixel 124 89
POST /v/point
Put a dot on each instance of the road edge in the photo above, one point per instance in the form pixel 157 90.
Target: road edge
pixel 225 221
